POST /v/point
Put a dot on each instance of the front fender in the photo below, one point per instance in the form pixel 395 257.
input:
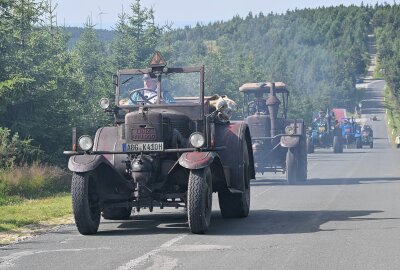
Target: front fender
pixel 85 163
pixel 196 160
pixel 290 141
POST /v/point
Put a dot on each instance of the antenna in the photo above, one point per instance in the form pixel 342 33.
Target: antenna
pixel 100 14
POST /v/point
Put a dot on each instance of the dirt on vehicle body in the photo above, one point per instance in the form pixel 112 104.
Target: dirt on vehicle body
pixel 162 152
pixel 279 144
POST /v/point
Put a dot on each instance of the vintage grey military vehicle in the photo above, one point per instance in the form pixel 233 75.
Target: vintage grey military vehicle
pixel 162 151
pixel 279 144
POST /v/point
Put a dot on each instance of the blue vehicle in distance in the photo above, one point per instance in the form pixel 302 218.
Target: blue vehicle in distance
pixel 324 132
pixel 351 132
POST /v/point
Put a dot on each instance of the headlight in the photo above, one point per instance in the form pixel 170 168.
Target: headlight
pixel 85 143
pixel 289 130
pixel 104 103
pixel 197 140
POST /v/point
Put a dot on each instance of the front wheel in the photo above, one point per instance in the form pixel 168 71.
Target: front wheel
pixel 291 166
pixel 371 145
pixel 199 200
pixel 302 162
pixel 85 202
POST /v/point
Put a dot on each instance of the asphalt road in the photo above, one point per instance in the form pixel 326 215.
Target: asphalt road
pixel 345 217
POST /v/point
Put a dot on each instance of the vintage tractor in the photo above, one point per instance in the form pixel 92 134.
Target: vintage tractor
pixel 162 152
pixel 324 133
pixel 279 144
pixel 367 136
pixel 351 132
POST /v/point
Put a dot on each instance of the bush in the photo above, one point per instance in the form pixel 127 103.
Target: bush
pixel 34 181
pixel 15 151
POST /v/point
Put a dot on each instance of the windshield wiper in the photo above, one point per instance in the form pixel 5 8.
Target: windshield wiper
pixel 127 80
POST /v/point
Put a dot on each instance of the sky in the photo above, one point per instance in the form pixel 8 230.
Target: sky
pixel 104 13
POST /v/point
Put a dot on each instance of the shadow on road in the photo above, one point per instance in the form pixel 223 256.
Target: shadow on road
pixel 262 222
pixel 329 181
pixel 259 222
pixel 168 223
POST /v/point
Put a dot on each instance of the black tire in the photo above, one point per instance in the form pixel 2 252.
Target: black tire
pixel 302 162
pixel 337 145
pixel 358 143
pixel 120 213
pixel 291 166
pixel 310 146
pixel 371 145
pixel 237 205
pixel 85 202
pixel 199 200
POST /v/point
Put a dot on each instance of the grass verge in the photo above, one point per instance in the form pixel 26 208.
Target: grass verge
pixel 392 107
pixel 28 218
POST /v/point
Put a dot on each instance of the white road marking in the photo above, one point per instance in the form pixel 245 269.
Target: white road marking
pixel 163 263
pixel 132 264
pixel 192 248
pixel 9 260
pixel 261 193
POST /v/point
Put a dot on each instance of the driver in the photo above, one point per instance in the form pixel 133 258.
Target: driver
pixel 259 104
pixel 150 91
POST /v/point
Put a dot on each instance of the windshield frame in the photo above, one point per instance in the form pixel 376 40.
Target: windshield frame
pixel 159 73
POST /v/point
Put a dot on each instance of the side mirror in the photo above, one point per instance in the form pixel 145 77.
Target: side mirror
pixel 115 79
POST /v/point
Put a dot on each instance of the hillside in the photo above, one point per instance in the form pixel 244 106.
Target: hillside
pixel 52 78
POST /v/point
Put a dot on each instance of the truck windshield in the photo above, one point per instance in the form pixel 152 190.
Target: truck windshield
pixel 139 89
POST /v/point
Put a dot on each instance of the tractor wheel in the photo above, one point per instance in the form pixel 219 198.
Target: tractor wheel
pixel 85 202
pixel 358 143
pixel 310 146
pixel 302 162
pixel 237 205
pixel 119 213
pixel 291 166
pixel 199 200
pixel 337 145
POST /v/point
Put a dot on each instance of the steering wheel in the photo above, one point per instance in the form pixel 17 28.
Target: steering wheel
pixel 140 92
pixel 251 107
pixel 254 107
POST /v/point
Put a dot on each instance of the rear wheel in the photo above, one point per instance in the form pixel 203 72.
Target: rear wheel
pixel 291 166
pixel 199 200
pixel 120 213
pixel 358 143
pixel 85 202
pixel 371 145
pixel 310 146
pixel 337 145
pixel 237 205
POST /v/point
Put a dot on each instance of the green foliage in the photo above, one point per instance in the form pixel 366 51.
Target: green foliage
pixel 317 52
pixel 386 22
pixel 33 181
pixel 14 151
pixel 47 87
pixel 15 216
